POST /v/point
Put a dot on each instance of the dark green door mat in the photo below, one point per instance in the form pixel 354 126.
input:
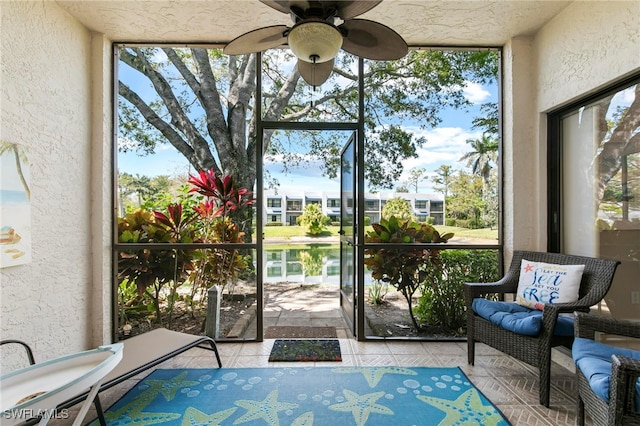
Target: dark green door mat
pixel 306 350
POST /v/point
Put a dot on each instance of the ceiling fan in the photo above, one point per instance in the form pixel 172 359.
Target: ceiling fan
pixel 317 35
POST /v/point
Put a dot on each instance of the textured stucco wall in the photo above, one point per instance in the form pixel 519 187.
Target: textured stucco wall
pixel 100 317
pixel 521 180
pixel 587 46
pixel 45 105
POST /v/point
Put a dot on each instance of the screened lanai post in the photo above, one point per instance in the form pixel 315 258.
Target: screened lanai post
pixel 360 188
pixel 259 203
pixel 348 236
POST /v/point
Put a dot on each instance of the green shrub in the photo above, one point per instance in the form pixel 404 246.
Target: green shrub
pixel 273 224
pixel 450 221
pixel 398 207
pixel 442 301
pixel 463 223
pixel 404 269
pixel 313 218
pixel 475 224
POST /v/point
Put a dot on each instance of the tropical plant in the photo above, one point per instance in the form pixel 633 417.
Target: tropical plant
pixel 209 219
pixel 221 216
pixel 441 302
pixel 398 207
pixel 313 218
pixel 482 160
pixel 483 155
pixel 377 292
pixel 224 200
pixel 405 268
pixel 152 270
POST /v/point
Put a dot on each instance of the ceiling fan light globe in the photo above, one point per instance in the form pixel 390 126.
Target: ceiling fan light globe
pixel 315 41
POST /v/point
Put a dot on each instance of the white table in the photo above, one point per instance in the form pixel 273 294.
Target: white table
pixel 37 390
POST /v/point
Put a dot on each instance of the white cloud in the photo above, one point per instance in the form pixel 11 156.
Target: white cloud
pixel 445 145
pixel 444 140
pixel 475 92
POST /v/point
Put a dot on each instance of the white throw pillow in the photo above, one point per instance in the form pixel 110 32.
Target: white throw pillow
pixel 542 283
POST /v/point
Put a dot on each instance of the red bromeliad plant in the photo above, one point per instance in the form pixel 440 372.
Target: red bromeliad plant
pixel 210 221
pixel 228 197
pixel 176 224
pixel 224 203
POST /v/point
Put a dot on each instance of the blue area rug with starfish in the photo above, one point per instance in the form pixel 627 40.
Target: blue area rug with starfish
pixel 306 396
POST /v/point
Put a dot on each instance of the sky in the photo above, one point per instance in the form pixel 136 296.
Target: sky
pixel 445 145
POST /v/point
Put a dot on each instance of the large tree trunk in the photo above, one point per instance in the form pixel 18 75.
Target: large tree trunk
pixel 229 137
pixel 233 137
pixel 621 143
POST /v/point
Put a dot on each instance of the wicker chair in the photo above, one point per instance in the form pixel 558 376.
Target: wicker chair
pixel 536 350
pixel 624 372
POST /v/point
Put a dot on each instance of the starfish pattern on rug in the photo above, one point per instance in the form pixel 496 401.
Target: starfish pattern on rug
pixel 282 396
pixel 374 375
pixel 195 417
pixel 361 405
pixel 467 409
pixel 305 419
pixel 267 409
pixel 131 414
pixel 168 388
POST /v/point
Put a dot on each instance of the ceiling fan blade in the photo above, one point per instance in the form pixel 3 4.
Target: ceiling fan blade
pixel 315 74
pixel 257 40
pixel 372 40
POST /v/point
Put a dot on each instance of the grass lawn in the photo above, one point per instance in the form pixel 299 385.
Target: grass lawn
pixel 300 231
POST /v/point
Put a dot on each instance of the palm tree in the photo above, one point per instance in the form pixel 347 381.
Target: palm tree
pixel 480 159
pixel 20 155
pixel 484 153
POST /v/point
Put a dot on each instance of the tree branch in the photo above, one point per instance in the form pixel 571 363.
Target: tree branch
pixel 163 127
pixel 179 119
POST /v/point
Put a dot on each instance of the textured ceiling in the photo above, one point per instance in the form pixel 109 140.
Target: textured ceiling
pixel 444 22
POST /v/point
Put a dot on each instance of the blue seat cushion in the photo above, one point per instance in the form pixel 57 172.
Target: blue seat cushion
pixel 519 319
pixel 594 361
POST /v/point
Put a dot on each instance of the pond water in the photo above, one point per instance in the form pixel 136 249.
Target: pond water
pixel 309 264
